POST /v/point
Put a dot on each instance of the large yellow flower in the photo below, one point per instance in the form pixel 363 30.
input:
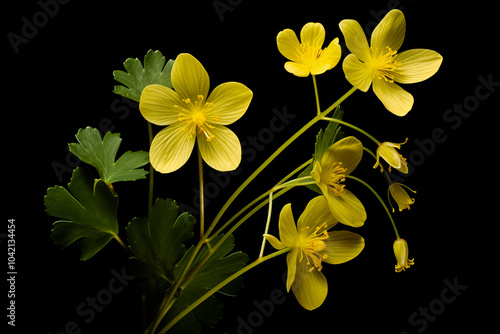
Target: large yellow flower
pixel 308 57
pixel 311 245
pixel 382 65
pixel 193 115
pixel 339 160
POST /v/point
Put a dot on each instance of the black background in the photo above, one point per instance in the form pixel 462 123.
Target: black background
pixel 61 80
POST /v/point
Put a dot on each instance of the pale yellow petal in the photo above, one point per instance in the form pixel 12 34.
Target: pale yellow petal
pixel 395 99
pixel 417 65
pixel 348 151
pixel 342 246
pixel 310 288
pixel 297 69
pixel 288 230
pixel 171 148
pixel 223 151
pixel 230 101
pixel 358 73
pixel 274 241
pixel 390 32
pixel 356 40
pixel 289 45
pixel 158 105
pixel 316 213
pixel 313 34
pixel 292 259
pixel 347 208
pixel 331 54
pixel 189 77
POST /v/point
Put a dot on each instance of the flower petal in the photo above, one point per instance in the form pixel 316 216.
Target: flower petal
pixel 291 261
pixel 347 208
pixel 417 65
pixel 316 214
pixel 359 74
pixel 171 148
pixel 313 34
pixel 230 101
pixel 342 246
pixel 157 105
pixel 189 77
pixel 310 288
pixel 390 32
pixel 395 99
pixel 355 39
pixel 289 45
pixel 223 151
pixel 288 230
pixel 274 241
pixel 297 69
pixel 331 54
pixel 348 151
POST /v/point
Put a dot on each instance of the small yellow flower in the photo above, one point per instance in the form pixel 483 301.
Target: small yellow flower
pixel 311 244
pixel 193 115
pixel 388 152
pixel 339 160
pixel 401 252
pixel 381 64
pixel 400 196
pixel 308 57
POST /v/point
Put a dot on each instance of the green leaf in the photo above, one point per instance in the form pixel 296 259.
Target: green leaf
pixel 89 211
pixel 101 154
pixel 155 71
pixel 157 244
pixel 216 269
pixel 324 139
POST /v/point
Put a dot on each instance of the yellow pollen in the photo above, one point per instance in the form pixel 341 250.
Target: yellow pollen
pixel 385 65
pixel 310 54
pixel 311 246
pixel 195 117
pixel 335 176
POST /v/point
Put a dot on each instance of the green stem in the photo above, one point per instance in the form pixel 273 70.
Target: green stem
pixel 380 200
pixel 352 127
pixel 274 155
pixel 202 195
pixel 220 286
pixel 316 94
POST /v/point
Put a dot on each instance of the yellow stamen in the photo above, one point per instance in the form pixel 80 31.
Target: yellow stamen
pixel 385 65
pixel 336 175
pixel 195 116
pixel 311 246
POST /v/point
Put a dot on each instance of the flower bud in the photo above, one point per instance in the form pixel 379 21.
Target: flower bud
pixel 389 153
pixel 400 196
pixel 401 252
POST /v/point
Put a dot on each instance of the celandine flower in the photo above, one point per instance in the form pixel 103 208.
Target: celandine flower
pixel 388 152
pixel 400 196
pixel 382 65
pixel 311 245
pixel 191 114
pixel 339 160
pixel 307 56
pixel 401 252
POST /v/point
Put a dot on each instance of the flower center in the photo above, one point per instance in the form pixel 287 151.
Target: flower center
pixel 385 65
pixel 196 118
pixel 312 244
pixel 334 176
pixel 310 54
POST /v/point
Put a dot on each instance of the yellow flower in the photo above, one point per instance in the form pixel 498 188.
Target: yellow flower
pixel 339 160
pixel 193 115
pixel 388 152
pixel 400 196
pixel 382 65
pixel 311 244
pixel 401 252
pixel 308 57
